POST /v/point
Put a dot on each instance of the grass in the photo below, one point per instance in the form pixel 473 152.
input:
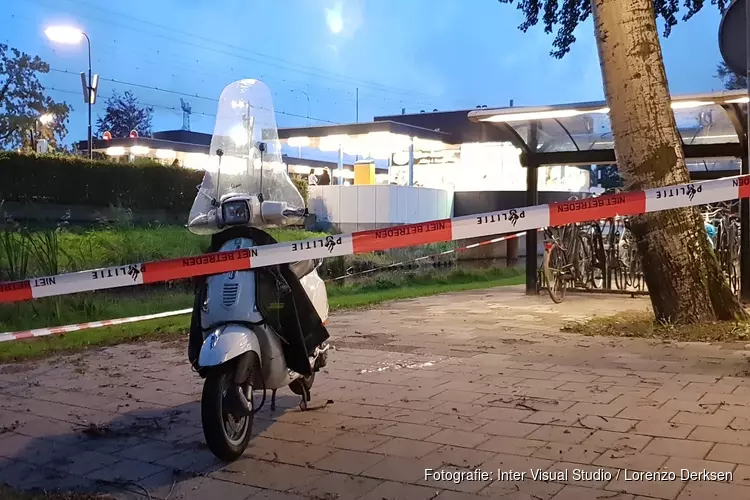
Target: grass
pixel 113 246
pixel 67 249
pixel 367 292
pixel 642 324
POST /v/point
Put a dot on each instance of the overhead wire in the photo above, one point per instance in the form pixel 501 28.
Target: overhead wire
pixel 313 71
pixel 184 94
pixel 274 60
pixel 362 97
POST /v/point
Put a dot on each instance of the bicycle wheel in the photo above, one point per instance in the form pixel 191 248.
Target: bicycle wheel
pixel 635 271
pixel 584 275
pixel 619 275
pixel 554 264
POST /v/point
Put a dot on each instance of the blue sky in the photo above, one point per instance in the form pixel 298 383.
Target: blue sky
pixel 413 54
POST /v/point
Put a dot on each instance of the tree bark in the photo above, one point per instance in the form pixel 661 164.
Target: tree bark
pixel 681 271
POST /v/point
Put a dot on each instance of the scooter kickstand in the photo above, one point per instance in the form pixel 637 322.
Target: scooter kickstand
pixel 305 398
pixel 273 400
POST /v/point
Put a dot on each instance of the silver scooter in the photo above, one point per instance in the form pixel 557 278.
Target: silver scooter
pixel 260 329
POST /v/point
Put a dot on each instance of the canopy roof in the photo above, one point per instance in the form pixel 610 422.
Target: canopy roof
pixel 711 125
pixel 378 139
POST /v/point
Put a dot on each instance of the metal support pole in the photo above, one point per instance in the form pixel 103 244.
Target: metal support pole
pixel 90 98
pixel 411 161
pixel 340 165
pixel 745 203
pixel 532 199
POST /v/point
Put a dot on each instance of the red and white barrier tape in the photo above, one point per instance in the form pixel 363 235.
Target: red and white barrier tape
pixel 459 228
pixel 59 330
pixel 438 254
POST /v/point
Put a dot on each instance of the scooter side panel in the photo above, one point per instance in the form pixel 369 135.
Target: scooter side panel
pixel 231 296
pixel 227 343
pixel 315 288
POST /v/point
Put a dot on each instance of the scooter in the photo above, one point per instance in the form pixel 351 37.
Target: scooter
pixel 260 329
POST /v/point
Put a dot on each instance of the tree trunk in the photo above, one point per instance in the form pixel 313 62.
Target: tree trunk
pixel 681 271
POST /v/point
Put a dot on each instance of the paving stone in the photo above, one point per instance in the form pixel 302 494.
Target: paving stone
pixel 626 483
pixel 718 435
pixel 149 451
pixel 571 492
pixel 457 457
pixel 407 448
pixel 512 446
pixel 577 453
pixel 683 448
pixel 522 489
pixel 357 441
pixel 509 429
pixel 399 469
pixel 712 490
pixel 348 462
pixel 663 429
pixel 197 461
pixel 124 470
pixel 399 491
pixel 630 460
pixel 409 431
pixel 198 488
pixel 730 453
pixel 561 434
pixel 643 412
pixel 339 486
pixel 267 475
pixel 459 438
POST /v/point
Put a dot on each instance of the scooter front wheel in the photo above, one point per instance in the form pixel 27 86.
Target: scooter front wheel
pixel 227 434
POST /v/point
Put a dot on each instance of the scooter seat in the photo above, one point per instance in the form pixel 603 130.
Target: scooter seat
pixel 302 268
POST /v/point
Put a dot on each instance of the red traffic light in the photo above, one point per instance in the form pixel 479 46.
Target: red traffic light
pixel 107 136
pixel 133 134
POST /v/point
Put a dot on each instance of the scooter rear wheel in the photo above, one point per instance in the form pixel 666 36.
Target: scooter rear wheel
pixel 227 436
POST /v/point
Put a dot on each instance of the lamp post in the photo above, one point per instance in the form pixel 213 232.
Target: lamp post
pixel 73 36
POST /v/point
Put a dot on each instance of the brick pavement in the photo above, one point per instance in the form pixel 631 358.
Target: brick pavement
pixel 455 382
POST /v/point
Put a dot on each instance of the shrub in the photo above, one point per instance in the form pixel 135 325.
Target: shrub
pixel 303 186
pixel 69 180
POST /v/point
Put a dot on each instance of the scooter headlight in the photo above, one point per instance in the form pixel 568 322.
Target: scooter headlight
pixel 235 212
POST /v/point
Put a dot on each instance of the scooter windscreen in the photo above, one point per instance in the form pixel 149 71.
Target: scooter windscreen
pixel 244 160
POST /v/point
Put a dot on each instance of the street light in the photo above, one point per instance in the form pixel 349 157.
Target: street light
pixel 45 120
pixel 72 36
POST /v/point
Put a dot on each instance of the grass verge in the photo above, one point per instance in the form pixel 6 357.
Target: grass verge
pixel 341 297
pixel 642 324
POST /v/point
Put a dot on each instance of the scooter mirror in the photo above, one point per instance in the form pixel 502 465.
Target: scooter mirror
pixel 273 211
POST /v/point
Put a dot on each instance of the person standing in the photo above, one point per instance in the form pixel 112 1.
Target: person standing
pixel 324 179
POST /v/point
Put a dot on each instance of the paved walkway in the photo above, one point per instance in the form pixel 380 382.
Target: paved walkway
pixel 479 380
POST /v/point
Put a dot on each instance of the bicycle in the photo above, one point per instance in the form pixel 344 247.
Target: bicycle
pixel 566 260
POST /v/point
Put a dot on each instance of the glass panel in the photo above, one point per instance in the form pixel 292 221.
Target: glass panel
pixel 709 164
pixel 701 125
pixel 705 125
pixel 590 131
pixel 551 136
